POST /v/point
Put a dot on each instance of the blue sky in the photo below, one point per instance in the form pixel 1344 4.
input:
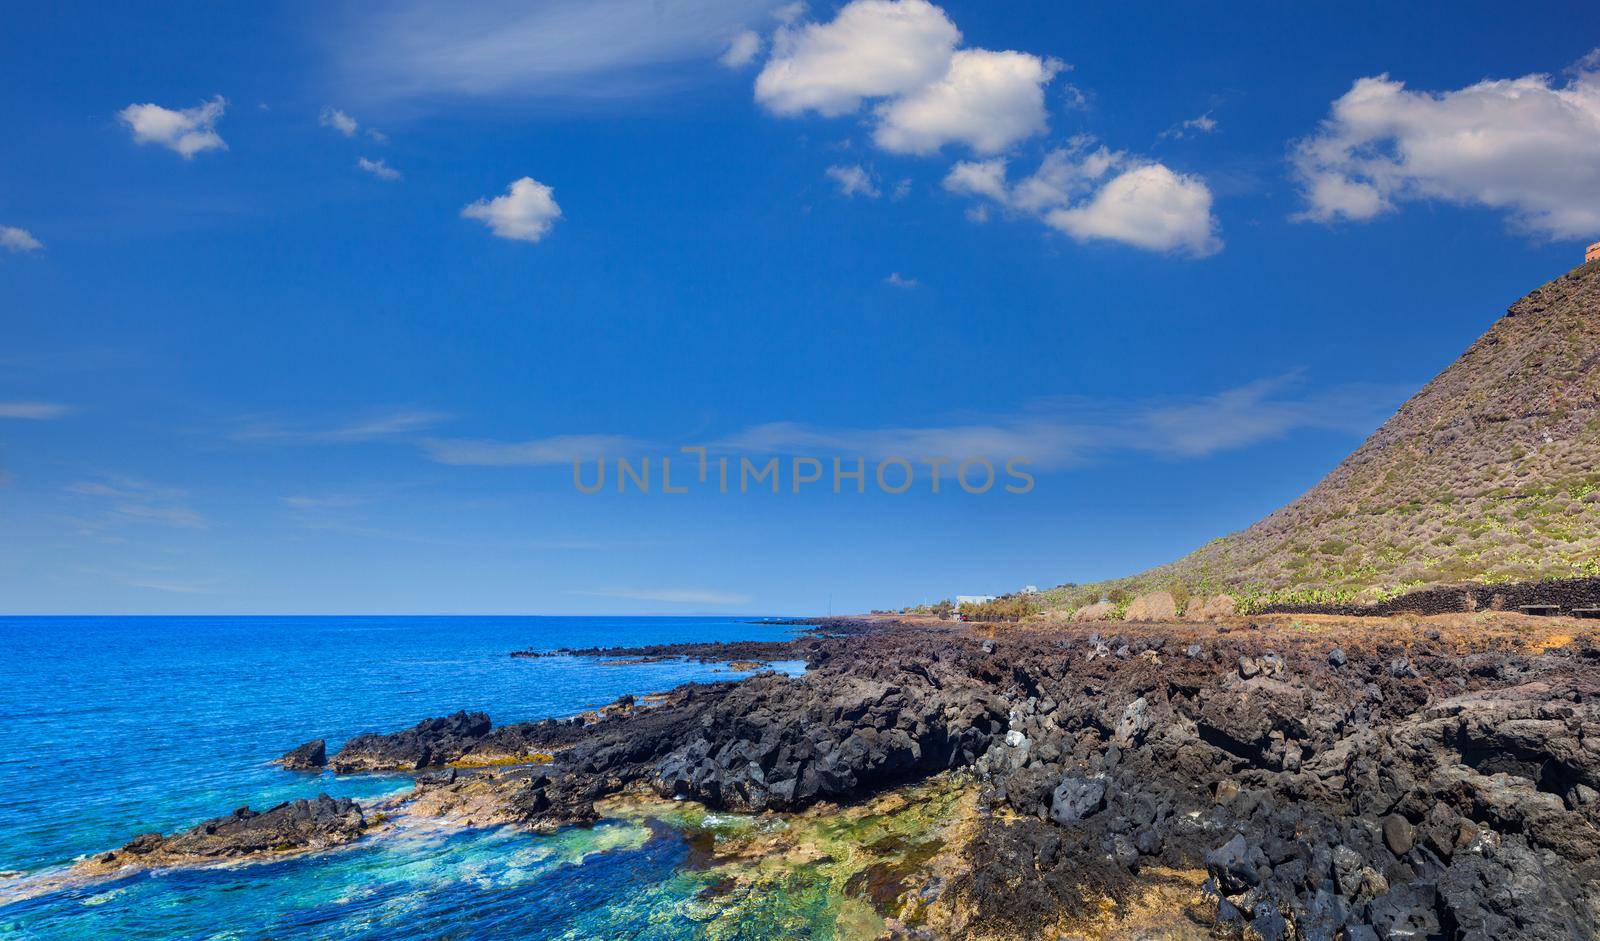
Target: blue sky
pixel 308 308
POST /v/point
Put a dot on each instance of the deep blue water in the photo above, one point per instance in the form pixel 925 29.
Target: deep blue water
pixel 110 727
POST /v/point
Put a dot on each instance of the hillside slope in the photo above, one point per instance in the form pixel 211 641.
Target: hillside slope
pixel 1490 473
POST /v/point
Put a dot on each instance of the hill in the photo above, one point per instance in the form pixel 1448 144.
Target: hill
pixel 1491 473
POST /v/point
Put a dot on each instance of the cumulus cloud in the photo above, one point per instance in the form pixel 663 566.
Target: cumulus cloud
pixel 339 121
pixel 1526 146
pixel 379 168
pixel 905 55
pixel 1090 192
pixel 986 100
pixel 1148 206
pixel 871 49
pixel 742 50
pixel 18 240
pixel 853 180
pixel 187 132
pixel 525 213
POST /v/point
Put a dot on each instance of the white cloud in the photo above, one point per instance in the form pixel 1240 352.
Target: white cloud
pixel 899 280
pixel 331 502
pixel 1101 194
pixel 119 501
pixel 1204 124
pixel 853 180
pixel 743 50
pixel 576 49
pixel 526 212
pixel 1148 206
pixel 1061 435
pixel 375 428
pixel 339 121
pixel 987 101
pixel 668 595
pixel 18 240
pixel 539 452
pixel 790 13
pixel 379 168
pixel 871 49
pixel 1525 146
pixel 979 178
pixel 187 132
pixel 33 411
pixel 904 54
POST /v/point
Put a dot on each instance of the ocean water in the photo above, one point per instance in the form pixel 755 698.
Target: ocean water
pixel 111 727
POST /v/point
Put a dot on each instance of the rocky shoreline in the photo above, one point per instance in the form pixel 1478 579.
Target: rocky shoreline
pixel 1323 778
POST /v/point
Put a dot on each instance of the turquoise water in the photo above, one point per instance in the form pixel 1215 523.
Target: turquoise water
pixel 110 727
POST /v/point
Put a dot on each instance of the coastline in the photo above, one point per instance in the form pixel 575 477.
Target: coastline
pixel 1346 773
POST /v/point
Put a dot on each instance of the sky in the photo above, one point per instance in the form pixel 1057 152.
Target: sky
pixel 311 308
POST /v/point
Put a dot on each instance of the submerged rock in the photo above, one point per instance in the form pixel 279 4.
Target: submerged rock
pixel 290 827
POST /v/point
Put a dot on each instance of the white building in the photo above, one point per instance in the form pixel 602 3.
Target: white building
pixel 972 599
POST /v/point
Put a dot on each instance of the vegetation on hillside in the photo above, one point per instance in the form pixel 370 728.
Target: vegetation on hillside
pixel 1490 474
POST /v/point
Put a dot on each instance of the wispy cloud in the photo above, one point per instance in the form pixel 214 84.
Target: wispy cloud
pixel 559 449
pixel 396 424
pixel 742 50
pixel 1054 434
pixel 34 411
pixel 853 180
pixel 381 534
pixel 899 280
pixel 172 587
pixel 123 501
pixel 574 49
pixel 380 169
pixel 1204 124
pixel 705 596
pixel 1070 433
pixel 338 121
pixel 13 239
pixel 325 502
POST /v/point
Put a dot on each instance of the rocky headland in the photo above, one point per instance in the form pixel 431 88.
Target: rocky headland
pixel 1312 777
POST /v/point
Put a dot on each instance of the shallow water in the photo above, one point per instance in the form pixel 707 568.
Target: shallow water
pixel 115 727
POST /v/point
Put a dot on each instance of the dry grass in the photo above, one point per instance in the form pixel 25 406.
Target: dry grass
pixel 1490 474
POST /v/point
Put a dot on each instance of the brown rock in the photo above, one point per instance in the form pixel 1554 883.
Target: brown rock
pixel 1101 611
pixel 1156 606
pixel 1210 608
pixel 1399 834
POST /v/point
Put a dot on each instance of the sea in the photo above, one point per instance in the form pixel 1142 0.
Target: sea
pixel 115 726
